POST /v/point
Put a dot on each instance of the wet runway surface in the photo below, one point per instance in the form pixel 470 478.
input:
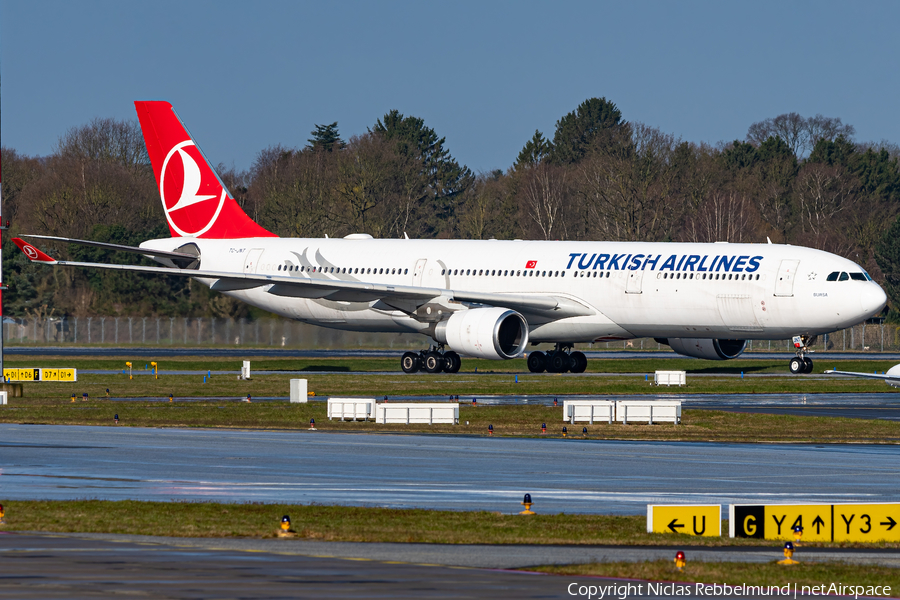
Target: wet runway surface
pixel 439 472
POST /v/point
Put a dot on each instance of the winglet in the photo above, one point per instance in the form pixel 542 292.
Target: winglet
pixel 33 254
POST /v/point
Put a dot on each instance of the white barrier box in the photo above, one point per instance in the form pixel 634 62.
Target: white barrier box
pixel 646 411
pixel 417 412
pixel 588 410
pixel 298 391
pixel 3 396
pixel 245 370
pixel 351 408
pixel 670 378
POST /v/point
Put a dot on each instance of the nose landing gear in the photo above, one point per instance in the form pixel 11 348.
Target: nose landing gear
pixel 802 363
pixel 433 360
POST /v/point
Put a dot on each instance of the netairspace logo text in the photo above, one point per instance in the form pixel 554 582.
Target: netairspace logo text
pixel 622 591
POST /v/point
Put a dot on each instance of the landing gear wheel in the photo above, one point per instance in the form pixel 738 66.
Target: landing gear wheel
pixel 807 364
pixel 579 362
pixel 797 365
pixel 559 362
pixel 537 362
pixel 434 362
pixel 409 362
pixel 452 362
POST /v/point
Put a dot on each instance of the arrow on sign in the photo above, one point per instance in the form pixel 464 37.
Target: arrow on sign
pixel 818 523
pixel 890 523
pixel 674 524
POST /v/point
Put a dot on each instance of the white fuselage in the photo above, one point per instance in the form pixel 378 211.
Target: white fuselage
pixel 633 289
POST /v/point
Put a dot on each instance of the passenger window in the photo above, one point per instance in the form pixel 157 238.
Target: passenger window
pixel 843 277
pixel 692 276
pixel 405 271
pixel 857 277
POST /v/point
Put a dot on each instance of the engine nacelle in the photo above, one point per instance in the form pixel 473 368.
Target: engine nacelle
pixel 494 333
pixel 708 349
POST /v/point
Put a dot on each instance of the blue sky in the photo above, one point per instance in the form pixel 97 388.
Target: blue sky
pixel 244 76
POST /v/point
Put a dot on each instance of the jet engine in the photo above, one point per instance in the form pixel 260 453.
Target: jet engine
pixel 708 349
pixel 494 333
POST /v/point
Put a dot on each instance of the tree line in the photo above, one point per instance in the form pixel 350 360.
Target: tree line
pixel 793 179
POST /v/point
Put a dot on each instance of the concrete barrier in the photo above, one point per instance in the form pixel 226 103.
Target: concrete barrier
pixel 588 410
pixel 351 408
pixel 417 412
pixel 670 378
pixel 298 391
pixel 648 411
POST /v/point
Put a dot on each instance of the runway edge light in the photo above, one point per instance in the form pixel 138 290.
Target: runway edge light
pixel 527 504
pixel 680 560
pixel 788 555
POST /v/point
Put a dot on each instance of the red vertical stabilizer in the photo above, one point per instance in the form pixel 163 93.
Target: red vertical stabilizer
pixel 194 199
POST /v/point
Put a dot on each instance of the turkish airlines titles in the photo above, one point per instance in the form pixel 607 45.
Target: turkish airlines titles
pixel 675 262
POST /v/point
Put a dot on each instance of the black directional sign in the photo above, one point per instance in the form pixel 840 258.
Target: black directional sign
pixel 820 522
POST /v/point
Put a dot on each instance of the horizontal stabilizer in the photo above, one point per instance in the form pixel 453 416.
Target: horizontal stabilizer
pixel 117 247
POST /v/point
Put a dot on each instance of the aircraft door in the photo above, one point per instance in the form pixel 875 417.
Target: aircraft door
pixel 787 273
pixel 634 282
pixel 417 272
pixel 251 263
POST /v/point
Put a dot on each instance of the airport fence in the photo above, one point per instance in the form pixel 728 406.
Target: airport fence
pixel 285 333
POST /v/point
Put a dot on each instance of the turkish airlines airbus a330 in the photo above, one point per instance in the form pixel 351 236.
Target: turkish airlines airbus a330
pixel 489 299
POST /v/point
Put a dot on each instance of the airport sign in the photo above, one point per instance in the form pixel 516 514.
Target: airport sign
pixel 690 519
pixel 818 522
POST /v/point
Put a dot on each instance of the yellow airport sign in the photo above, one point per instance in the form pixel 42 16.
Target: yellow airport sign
pixel 690 519
pixel 32 374
pixel 820 522
pixel 68 374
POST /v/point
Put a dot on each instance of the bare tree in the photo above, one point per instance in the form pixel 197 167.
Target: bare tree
pixel 544 193
pixel 800 134
pixel 627 192
pixel 107 141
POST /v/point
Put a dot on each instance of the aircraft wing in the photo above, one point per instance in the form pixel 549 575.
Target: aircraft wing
pixel 886 377
pixel 403 297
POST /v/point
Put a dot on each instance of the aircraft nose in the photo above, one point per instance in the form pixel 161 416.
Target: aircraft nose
pixel 872 300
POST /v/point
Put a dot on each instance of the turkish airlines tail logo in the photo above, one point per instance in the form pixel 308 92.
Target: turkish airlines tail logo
pixel 195 201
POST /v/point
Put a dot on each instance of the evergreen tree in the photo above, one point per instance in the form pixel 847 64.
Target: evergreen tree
pixel 439 180
pixel 590 124
pixel 887 255
pixel 536 150
pixel 326 137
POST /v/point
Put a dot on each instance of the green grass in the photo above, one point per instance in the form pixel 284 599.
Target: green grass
pixel 508 420
pixel 358 524
pixel 733 573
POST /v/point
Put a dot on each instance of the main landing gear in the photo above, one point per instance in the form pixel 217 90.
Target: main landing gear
pixel 433 360
pixel 802 363
pixel 557 361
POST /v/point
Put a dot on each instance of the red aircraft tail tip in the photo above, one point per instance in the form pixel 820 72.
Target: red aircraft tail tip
pixel 33 254
pixel 194 199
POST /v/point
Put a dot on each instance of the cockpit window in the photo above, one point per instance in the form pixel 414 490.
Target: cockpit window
pixel 843 277
pixel 857 277
pixel 832 276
